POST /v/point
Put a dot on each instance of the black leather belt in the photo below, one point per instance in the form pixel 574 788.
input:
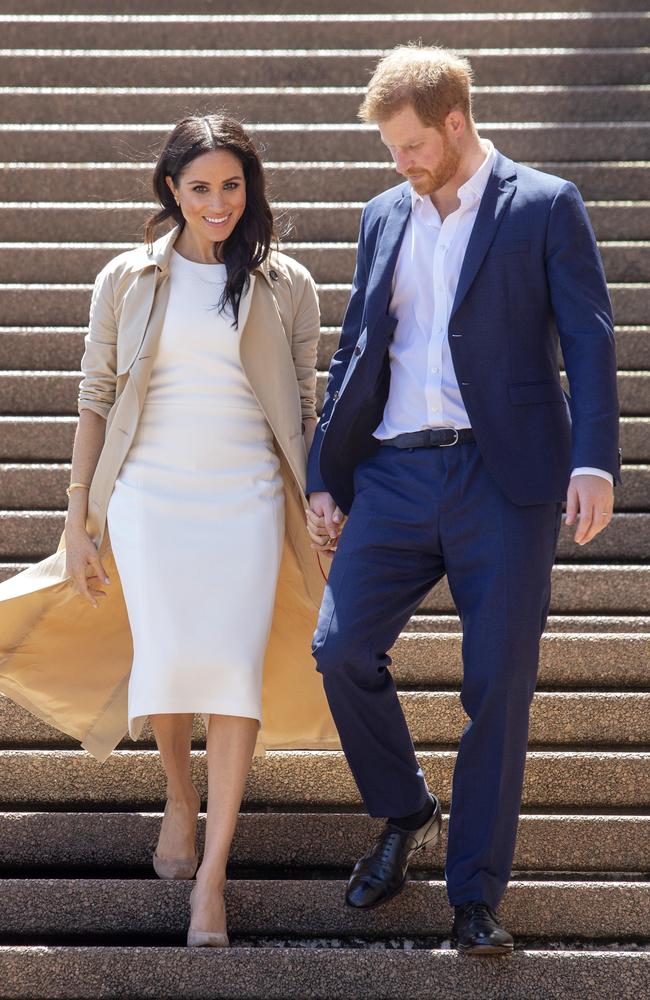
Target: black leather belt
pixel 430 438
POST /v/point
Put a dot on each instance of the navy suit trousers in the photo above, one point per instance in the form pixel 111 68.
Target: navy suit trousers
pixel 417 515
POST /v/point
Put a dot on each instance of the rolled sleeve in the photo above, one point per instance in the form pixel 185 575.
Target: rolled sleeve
pixel 304 344
pixel 99 362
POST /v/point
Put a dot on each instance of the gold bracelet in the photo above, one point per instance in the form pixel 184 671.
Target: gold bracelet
pixel 76 486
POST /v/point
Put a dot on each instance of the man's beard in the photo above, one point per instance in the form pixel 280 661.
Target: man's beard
pixel 433 180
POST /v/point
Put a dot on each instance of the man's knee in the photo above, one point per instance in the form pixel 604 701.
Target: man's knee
pixel 342 657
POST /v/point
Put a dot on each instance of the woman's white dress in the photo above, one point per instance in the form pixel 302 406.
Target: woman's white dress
pixel 196 518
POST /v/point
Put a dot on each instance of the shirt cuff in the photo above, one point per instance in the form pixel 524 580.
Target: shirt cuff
pixel 587 471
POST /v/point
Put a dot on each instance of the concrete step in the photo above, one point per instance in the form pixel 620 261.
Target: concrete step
pixel 629 300
pixel 30 535
pixel 50 304
pixel 579 589
pixel 40 486
pixel 195 32
pixel 49 439
pixel 295 973
pixel 115 222
pixel 327 67
pixel 632 349
pixel 306 104
pixel 61 348
pixel 563 142
pixel 312 908
pixel 577 718
pixel 157 7
pixel 586 625
pixel 555 779
pixel 610 661
pixel 73 182
pixel 123 841
pixel 624 261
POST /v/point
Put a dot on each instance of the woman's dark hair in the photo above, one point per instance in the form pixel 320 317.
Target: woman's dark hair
pixel 250 241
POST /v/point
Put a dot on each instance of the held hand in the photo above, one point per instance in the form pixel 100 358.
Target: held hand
pixel 324 522
pixel 590 501
pixel 81 555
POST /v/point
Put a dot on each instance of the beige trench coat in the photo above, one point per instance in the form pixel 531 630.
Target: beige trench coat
pixel 69 663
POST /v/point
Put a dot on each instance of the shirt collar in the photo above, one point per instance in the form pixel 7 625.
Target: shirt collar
pixel 474 187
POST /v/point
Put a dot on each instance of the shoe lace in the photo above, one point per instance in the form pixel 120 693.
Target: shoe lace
pixel 388 841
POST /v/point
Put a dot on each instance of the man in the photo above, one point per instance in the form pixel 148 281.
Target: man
pixel 447 438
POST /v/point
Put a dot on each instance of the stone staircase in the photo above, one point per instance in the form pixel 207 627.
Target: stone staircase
pixel 87 93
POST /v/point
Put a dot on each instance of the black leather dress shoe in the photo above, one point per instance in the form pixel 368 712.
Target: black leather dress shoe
pixel 477 931
pixel 381 873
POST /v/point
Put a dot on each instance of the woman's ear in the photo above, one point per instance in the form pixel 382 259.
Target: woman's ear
pixel 170 184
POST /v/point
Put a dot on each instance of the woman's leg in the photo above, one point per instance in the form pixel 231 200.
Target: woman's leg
pixel 178 832
pixel 230 746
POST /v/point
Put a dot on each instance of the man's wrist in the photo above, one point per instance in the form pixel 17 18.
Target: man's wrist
pixel 585 470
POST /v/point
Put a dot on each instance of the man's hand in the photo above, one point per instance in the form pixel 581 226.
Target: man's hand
pixel 324 522
pixel 590 501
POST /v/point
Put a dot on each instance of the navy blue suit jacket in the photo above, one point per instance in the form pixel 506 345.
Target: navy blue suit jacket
pixel 532 273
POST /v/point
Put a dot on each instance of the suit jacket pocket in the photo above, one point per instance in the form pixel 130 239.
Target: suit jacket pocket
pixel 535 392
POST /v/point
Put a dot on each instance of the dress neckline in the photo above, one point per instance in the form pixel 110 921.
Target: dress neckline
pixel 193 263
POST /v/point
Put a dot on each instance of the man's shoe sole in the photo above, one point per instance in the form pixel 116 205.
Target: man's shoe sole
pixel 485 949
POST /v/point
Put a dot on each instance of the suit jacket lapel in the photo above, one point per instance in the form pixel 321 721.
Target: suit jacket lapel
pixel 390 240
pixel 498 192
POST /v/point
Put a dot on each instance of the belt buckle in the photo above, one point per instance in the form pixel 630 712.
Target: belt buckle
pixel 455 441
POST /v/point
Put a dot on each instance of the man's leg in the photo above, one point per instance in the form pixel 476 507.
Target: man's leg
pixel 387 559
pixel 499 558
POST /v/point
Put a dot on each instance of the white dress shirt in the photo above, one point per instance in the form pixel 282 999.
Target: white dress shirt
pixel 424 390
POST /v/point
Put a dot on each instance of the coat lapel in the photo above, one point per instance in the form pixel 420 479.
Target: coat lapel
pixel 498 193
pixel 390 240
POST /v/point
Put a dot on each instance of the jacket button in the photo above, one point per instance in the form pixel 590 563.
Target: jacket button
pixel 357 351
pixel 335 396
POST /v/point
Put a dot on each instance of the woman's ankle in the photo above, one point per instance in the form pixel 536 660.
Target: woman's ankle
pixel 211 881
pixel 184 796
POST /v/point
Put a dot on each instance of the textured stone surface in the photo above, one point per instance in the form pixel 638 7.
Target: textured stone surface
pixel 338 67
pixel 576 589
pixel 310 6
pixel 332 262
pixel 124 840
pixel 587 719
pixel 36 438
pixel 581 589
pixel 103 182
pixel 335 221
pixel 575 660
pixel 108 973
pixel 312 104
pixel 316 142
pixel 325 31
pixel 313 908
pixel 36 392
pixel 41 486
pixel 583 624
pixel 554 778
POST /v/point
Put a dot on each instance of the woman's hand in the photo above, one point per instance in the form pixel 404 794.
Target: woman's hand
pixel 324 523
pixel 81 557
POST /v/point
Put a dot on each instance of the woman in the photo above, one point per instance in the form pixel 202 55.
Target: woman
pixel 196 408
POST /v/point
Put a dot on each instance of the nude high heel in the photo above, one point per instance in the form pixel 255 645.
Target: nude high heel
pixel 175 868
pixel 205 939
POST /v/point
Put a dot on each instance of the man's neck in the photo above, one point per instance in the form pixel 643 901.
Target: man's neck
pixel 446 199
